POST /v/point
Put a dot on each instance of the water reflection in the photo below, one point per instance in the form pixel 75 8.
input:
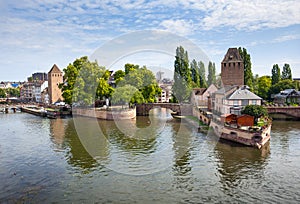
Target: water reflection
pixel 237 163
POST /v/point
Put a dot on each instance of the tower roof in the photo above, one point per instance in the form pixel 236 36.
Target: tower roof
pixel 232 55
pixel 55 69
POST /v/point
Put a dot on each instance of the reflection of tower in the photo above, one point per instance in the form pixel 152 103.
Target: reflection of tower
pixel 232 68
pixel 55 77
pixel 57 130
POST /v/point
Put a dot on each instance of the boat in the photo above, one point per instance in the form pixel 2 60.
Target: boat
pixel 243 129
pixel 51 114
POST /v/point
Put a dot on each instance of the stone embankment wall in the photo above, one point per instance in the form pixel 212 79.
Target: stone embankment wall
pixel 105 114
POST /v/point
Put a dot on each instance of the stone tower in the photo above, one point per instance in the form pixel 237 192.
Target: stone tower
pixel 55 77
pixel 232 68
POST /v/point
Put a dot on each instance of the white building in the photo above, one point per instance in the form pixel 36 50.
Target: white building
pixel 232 99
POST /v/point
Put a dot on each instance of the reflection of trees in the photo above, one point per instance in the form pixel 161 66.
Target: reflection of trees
pixel 182 168
pixel 77 155
pixel 237 162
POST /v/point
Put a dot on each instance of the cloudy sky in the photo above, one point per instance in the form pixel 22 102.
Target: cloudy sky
pixel 35 34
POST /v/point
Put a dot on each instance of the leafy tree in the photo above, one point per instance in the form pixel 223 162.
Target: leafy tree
pixel 255 110
pixel 282 85
pixel 263 85
pixel 182 75
pixel 130 67
pixel 202 74
pixel 286 72
pixel 195 73
pixel 248 76
pixel 13 92
pixel 85 81
pixel 211 77
pixel 2 93
pixel 144 80
pixel 126 94
pixel 276 76
pixel 119 75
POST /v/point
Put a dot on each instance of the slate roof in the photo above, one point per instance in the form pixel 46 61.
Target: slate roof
pixel 243 93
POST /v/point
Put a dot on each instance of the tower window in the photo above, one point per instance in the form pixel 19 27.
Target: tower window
pixel 229 64
pixel 224 64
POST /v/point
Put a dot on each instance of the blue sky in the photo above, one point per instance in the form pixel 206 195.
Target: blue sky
pixel 36 34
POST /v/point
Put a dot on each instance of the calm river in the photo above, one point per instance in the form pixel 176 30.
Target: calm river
pixel 155 159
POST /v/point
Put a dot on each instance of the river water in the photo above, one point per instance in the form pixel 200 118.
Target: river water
pixel 154 159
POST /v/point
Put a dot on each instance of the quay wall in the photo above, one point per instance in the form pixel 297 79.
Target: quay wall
pixel 105 114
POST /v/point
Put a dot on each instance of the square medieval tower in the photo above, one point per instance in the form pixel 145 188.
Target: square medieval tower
pixel 55 77
pixel 232 68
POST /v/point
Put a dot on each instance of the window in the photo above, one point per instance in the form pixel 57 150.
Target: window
pixel 254 102
pixel 235 102
pixel 245 102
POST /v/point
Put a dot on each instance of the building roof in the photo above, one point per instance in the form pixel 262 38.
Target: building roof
pixel 287 92
pixel 232 55
pixel 226 90
pixel 243 93
pixel 199 91
pixel 55 69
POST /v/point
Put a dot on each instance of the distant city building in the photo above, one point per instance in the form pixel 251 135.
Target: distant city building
pixel 232 68
pixel 38 87
pixel 166 90
pixel 5 85
pixel 26 92
pixel 55 77
pixel 39 76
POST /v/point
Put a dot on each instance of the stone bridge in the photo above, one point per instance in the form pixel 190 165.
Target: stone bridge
pixel 287 110
pixel 180 109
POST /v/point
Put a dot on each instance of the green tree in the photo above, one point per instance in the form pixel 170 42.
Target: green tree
pixel 286 72
pixel 276 76
pixel 211 77
pixel 263 86
pixel 248 75
pixel 255 110
pixel 84 82
pixel 182 75
pixel 2 93
pixel 126 94
pixel 119 75
pixel 13 92
pixel 130 67
pixel 202 74
pixel 195 73
pixel 282 85
pixel 144 80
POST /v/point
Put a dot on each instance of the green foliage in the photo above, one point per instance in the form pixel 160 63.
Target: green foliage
pixel 195 73
pixel 202 74
pixel 130 67
pixel 119 75
pixel 276 76
pixel 286 72
pixel 282 85
pixel 144 81
pixel 182 76
pixel 84 82
pixel 248 76
pixel 255 110
pixel 13 92
pixel 127 94
pixel 2 93
pixel 211 77
pixel 263 85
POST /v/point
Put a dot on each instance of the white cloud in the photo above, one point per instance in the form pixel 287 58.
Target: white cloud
pixel 179 27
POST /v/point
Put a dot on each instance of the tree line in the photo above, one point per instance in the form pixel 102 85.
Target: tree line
pixel 86 82
pixel 9 92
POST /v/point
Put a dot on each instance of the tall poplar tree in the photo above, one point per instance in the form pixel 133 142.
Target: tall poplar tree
pixel 286 72
pixel 195 73
pixel 182 75
pixel 276 76
pixel 248 75
pixel 202 74
pixel 211 77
